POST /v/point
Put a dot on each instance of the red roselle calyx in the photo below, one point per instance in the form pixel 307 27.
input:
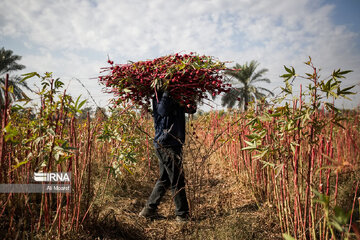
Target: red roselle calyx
pixel 187 77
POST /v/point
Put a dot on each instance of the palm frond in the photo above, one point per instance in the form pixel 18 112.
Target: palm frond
pixel 259 95
pixel 266 90
pixel 230 98
pixel 261 80
pixel 8 63
pixel 236 76
pixel 258 74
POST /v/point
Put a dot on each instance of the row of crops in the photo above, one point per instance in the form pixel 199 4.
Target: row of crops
pixel 298 152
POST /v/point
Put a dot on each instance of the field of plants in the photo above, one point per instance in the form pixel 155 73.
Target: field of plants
pixel 284 169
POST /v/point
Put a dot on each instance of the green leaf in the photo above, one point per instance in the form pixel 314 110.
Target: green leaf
pixel 57 156
pixel 308 62
pixel 29 75
pixel 276 114
pixel 261 155
pixel 111 170
pixel 252 136
pixel 50 131
pixel 288 70
pixel 341 216
pixel 267 164
pixel 322 198
pixel 345 91
pixel 11 89
pixel 345 72
pixel 251 145
pixel 10 132
pixel 336 225
pixel 81 104
pixel 292 148
pixel 330 106
pixel 287 237
pixel 37 140
pixel 287 76
pixel 182 66
pixel 338 124
pixel 58 83
pixel 20 163
pixel 128 169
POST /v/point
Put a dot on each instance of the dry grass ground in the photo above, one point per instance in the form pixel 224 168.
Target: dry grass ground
pixel 221 207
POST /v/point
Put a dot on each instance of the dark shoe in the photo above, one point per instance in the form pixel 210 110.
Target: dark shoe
pixel 182 218
pixel 148 213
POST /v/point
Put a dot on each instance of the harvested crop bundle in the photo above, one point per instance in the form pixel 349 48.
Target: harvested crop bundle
pixel 188 78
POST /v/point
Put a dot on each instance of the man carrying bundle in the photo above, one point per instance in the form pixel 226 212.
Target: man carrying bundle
pixel 169 122
pixel 190 78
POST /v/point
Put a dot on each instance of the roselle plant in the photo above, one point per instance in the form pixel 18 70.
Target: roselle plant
pixel 122 129
pixel 291 147
pixel 46 139
pixel 188 77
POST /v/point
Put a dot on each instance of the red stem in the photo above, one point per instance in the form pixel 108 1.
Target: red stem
pixel 353 205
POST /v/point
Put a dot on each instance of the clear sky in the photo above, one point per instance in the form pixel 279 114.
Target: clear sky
pixel 73 38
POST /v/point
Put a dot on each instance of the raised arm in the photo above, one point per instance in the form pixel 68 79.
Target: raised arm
pixel 164 105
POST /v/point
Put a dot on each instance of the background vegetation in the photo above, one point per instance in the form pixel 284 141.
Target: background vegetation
pixel 288 168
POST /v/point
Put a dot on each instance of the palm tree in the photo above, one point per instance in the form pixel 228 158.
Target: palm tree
pixel 246 75
pixel 8 64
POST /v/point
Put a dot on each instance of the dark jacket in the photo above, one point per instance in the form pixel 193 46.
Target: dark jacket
pixel 169 121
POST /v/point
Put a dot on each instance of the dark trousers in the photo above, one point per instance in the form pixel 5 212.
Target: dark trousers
pixel 171 176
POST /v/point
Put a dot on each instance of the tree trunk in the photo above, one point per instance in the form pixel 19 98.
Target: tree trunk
pixel 246 99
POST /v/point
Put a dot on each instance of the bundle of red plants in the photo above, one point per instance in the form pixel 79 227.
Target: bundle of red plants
pixel 187 77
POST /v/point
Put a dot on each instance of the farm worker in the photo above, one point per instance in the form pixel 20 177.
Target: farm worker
pixel 169 122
